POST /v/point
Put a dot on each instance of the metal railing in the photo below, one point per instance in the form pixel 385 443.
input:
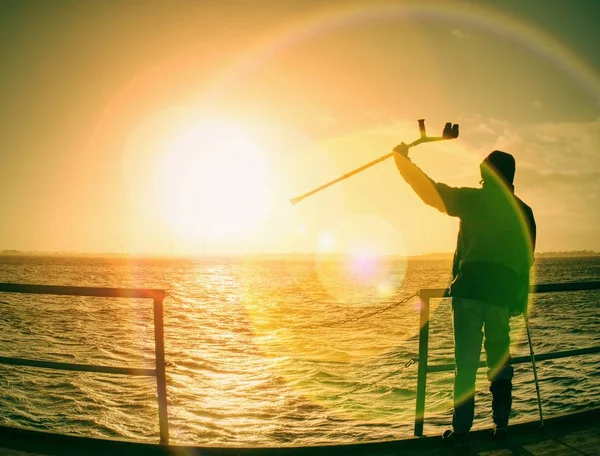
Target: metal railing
pixel 426 295
pixel 157 297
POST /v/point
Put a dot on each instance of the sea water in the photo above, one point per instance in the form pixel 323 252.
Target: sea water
pixel 270 351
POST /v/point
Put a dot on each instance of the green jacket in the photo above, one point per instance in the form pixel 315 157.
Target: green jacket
pixel 496 239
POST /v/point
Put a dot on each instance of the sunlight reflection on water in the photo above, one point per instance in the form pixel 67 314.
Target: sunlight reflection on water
pixel 246 366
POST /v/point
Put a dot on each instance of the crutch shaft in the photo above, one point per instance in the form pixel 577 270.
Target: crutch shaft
pixel 535 376
pixel 421 140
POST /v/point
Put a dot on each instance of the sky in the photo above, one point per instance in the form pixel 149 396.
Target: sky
pixel 185 127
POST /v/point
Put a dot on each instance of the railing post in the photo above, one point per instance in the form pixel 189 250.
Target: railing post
pixel 161 379
pixel 422 367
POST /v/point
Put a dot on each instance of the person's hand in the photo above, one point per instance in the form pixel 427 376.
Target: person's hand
pixel 401 149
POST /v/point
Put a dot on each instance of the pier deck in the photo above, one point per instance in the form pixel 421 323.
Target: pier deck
pixel 569 435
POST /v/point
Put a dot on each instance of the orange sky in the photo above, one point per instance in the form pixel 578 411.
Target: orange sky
pixel 181 127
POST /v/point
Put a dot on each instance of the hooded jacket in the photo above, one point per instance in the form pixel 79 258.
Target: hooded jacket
pixel 496 238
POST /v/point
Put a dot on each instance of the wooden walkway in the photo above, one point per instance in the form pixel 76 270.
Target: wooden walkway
pixel 568 435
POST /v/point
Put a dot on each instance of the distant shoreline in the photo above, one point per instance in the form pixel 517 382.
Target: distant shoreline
pixel 268 256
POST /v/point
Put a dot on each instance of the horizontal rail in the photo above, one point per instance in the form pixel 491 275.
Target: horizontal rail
pixel 427 294
pixel 525 359
pixel 78 367
pixel 83 291
pixel 537 288
pixel 157 297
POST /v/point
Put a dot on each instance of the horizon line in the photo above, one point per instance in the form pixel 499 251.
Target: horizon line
pixel 18 252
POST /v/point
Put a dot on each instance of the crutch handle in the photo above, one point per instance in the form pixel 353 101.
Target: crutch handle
pixel 422 128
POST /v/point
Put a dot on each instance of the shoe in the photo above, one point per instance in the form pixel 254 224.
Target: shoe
pixel 499 433
pixel 458 440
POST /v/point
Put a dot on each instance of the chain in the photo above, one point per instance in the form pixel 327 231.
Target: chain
pixel 320 325
pixel 381 310
pixel 409 363
pixel 357 317
pixel 188 303
pixel 168 294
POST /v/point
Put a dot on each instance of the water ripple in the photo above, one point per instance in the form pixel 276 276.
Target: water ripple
pixel 243 367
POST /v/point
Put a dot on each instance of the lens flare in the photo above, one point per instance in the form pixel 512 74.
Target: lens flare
pixel 361 259
pixel 326 243
pixel 360 267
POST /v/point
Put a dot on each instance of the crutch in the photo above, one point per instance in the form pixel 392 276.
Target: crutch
pixel 535 377
pixel 450 132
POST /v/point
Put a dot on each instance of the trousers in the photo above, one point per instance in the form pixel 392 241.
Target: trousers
pixel 472 321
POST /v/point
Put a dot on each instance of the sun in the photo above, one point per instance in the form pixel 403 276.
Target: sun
pixel 215 183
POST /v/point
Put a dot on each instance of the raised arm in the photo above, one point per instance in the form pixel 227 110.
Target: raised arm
pixel 420 182
pixel 449 200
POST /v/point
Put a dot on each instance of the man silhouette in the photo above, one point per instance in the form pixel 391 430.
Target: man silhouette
pixel 490 271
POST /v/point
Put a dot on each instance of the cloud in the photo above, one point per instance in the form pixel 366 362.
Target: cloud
pixel 536 104
pixel 563 180
pixel 484 128
pixel 548 146
pixel 507 139
pixel 563 146
pixel 558 173
pixel 459 34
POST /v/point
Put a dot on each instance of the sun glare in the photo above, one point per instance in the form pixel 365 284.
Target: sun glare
pixel 215 183
pixel 366 269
